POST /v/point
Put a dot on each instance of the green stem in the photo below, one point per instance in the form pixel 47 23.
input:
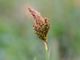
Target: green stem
pixel 46 51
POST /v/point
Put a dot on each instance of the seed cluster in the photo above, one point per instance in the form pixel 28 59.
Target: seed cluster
pixel 41 25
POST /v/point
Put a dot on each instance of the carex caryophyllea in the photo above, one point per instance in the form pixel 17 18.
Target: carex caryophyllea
pixel 41 24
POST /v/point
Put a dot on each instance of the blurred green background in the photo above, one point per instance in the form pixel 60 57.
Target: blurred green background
pixel 17 38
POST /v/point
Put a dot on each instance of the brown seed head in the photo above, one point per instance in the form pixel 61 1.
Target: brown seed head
pixel 41 25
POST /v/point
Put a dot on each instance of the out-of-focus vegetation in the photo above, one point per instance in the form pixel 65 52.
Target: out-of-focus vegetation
pixel 17 38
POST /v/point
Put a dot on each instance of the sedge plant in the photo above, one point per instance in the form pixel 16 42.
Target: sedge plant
pixel 41 26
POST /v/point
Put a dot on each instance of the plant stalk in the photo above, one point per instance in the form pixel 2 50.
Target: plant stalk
pixel 46 50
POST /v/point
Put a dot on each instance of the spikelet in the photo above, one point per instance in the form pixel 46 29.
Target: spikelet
pixel 41 25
